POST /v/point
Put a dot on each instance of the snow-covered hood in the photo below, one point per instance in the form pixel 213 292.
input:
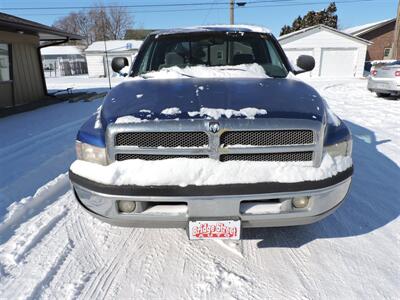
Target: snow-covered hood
pixel 192 98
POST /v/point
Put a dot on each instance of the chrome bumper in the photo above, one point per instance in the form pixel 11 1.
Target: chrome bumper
pixel 384 85
pixel 254 210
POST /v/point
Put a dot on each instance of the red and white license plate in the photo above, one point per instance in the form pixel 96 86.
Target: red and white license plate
pixel 227 229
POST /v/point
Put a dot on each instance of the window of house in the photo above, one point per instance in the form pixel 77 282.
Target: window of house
pixel 4 62
pixel 386 52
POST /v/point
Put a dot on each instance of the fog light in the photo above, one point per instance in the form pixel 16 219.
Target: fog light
pixel 126 206
pixel 300 202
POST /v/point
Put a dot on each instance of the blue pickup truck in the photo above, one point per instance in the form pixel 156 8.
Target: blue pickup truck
pixel 211 131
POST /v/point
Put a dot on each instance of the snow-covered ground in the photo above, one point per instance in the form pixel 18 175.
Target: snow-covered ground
pixel 51 249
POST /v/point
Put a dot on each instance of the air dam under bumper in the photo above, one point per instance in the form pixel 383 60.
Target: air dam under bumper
pixel 256 205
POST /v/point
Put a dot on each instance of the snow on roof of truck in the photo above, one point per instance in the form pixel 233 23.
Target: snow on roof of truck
pixel 217 28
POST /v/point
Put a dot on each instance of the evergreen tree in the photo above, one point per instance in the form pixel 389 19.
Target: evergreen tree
pixel 326 17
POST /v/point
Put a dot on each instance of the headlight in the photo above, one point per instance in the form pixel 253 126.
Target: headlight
pixel 340 149
pixel 91 153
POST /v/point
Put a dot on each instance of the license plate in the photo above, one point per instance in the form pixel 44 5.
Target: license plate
pixel 227 229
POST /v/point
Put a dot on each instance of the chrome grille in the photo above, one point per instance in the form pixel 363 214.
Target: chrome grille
pixel 267 138
pixel 125 156
pixel 285 156
pixel 162 139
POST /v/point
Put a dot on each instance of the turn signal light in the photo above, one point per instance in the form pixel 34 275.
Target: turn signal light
pixel 373 72
pixel 397 73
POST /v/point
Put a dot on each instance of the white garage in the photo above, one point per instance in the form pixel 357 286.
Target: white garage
pixel 336 53
pixel 96 56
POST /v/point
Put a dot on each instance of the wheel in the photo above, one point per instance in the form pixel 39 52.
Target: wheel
pixel 382 94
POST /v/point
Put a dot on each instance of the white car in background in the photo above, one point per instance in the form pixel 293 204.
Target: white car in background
pixel 384 78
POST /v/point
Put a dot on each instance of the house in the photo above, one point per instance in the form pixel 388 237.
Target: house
pixel 381 34
pixel 336 54
pixel 21 73
pixel 100 54
pixel 63 61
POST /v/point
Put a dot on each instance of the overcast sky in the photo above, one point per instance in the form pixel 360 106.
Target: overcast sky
pixel 271 13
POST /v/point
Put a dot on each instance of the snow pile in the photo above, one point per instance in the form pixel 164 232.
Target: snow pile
pixel 202 71
pixel 217 113
pixel 384 62
pixel 129 119
pixel 97 124
pixel 184 171
pixel 171 111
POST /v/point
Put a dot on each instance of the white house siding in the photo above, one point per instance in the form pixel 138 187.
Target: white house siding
pixel 332 51
pixel 95 65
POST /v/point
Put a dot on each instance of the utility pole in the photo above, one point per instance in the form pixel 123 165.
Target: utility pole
pixel 396 38
pixel 232 12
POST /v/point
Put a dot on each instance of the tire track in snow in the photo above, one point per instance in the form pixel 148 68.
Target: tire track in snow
pixel 41 233
pixel 85 238
pixel 39 265
pixel 24 147
pixel 156 259
pixel 103 278
pixel 25 209
pixel 50 274
pixel 220 274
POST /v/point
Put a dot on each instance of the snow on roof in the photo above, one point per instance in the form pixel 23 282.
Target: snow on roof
pixel 357 30
pixel 321 26
pixel 61 50
pixel 114 46
pixel 220 28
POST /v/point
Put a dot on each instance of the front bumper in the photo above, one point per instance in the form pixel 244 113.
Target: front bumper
pixel 384 85
pixel 256 205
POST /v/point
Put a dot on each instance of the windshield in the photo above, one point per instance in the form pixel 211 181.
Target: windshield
pixel 211 50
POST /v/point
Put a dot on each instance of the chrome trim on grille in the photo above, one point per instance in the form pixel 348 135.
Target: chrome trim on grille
pixel 214 149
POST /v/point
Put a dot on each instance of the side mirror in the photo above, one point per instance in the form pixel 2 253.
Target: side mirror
pixel 305 63
pixel 118 63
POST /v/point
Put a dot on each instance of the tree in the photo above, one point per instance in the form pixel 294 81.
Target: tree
pixel 326 17
pixel 137 34
pixel 98 23
pixel 119 21
pixel 78 23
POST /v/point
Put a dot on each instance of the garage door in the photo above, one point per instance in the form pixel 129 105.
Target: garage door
pixel 338 62
pixel 95 65
pixel 293 54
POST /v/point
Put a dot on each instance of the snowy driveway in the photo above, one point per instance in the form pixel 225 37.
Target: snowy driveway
pixel 50 249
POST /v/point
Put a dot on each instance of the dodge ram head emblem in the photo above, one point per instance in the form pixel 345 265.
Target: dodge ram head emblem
pixel 214 127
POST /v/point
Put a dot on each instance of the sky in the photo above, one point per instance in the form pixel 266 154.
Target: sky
pixel 269 13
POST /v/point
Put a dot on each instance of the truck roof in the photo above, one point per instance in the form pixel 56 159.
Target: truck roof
pixel 214 28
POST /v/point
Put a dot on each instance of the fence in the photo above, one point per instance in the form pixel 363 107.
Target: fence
pixel 63 67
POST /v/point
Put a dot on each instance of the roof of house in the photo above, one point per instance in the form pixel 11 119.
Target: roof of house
pixel 61 50
pixel 114 46
pixel 361 29
pixel 45 33
pixel 322 27
pixel 217 28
